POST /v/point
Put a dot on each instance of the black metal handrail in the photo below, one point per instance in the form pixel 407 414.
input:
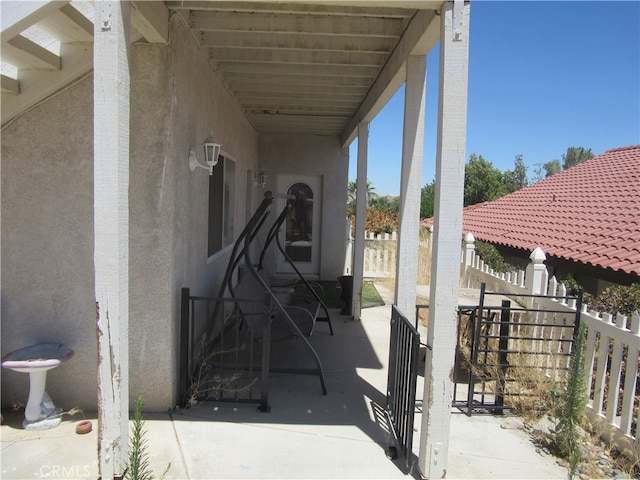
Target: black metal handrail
pixel 404 352
pixel 236 367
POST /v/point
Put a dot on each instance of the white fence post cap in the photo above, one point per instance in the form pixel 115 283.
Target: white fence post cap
pixel 537 256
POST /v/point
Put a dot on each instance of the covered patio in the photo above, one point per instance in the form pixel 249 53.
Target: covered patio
pixel 306 435
pixel 116 112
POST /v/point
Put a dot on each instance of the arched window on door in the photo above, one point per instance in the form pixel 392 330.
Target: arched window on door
pixel 299 227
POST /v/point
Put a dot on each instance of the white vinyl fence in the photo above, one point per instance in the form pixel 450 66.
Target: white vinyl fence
pixel 612 350
pixel 380 252
pixel 613 341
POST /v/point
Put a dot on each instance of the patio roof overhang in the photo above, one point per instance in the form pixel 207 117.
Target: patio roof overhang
pixel 287 78
pixel 313 67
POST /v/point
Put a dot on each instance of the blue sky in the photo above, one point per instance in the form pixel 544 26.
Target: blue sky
pixel 543 76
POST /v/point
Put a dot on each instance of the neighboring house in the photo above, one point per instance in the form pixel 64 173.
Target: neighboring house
pixel 585 219
pixel 105 109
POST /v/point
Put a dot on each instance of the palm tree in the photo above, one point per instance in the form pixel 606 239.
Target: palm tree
pixel 352 191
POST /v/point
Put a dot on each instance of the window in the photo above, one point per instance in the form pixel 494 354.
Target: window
pixel 222 192
pixel 299 231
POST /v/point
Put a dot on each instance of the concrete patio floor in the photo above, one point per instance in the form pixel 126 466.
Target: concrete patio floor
pixel 305 435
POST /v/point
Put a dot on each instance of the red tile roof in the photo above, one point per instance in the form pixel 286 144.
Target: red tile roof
pixel 589 213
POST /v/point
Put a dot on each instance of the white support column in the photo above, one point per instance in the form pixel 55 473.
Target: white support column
pixel 445 268
pixel 361 211
pixel 111 230
pixel 411 177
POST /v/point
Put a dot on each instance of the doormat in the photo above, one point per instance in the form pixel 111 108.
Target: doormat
pixel 332 294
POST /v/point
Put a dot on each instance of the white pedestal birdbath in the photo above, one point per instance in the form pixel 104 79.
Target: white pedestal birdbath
pixel 36 360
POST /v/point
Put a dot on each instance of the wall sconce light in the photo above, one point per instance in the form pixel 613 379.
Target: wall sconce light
pixel 211 152
pixel 262 178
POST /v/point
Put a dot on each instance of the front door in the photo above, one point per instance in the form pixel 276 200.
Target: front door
pixel 300 234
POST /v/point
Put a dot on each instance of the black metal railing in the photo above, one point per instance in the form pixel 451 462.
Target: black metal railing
pixel 504 353
pixel 404 352
pixel 507 353
pixel 234 366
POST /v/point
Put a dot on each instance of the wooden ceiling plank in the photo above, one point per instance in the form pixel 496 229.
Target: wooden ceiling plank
pixel 10 85
pixel 307 8
pixel 296 98
pixel 355 71
pixel 407 4
pixel 151 20
pixel 270 87
pixel 308 124
pixel 297 41
pixel 327 25
pixel 68 25
pixel 422 34
pixel 36 85
pixel 263 105
pixel 239 79
pixel 18 16
pixel 299 57
pixel 24 53
pixel 329 111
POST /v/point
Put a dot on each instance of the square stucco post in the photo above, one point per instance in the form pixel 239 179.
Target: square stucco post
pixel 111 230
pixel 411 176
pixel 361 211
pixel 445 266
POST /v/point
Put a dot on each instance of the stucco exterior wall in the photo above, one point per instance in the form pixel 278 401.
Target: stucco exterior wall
pixel 47 212
pixel 177 100
pixel 314 155
pixel 47 243
pixel 200 106
pixel 151 338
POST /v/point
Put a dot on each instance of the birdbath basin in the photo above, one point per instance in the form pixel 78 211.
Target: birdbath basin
pixel 36 360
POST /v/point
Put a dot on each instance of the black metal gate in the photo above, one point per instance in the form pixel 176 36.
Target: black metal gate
pixel 236 369
pixel 507 354
pixel 404 352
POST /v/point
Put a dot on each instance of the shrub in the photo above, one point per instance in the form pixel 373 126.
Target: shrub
pixel 618 298
pixel 379 222
pixel 138 467
pixel 490 255
pixel 614 299
pixel 571 402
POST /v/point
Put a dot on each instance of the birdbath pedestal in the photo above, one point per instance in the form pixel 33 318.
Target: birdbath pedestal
pixel 36 360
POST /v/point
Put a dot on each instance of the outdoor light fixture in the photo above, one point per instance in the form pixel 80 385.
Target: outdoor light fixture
pixel 262 179
pixel 211 153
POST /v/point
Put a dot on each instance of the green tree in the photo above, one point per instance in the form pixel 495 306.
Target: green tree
pixel 517 178
pixel 482 181
pixel 352 192
pixel 552 167
pixel 574 156
pixel 386 203
pixel 427 200
pixel 537 173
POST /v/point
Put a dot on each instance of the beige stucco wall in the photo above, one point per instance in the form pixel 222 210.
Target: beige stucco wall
pixel 47 243
pixel 322 156
pixel 177 100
